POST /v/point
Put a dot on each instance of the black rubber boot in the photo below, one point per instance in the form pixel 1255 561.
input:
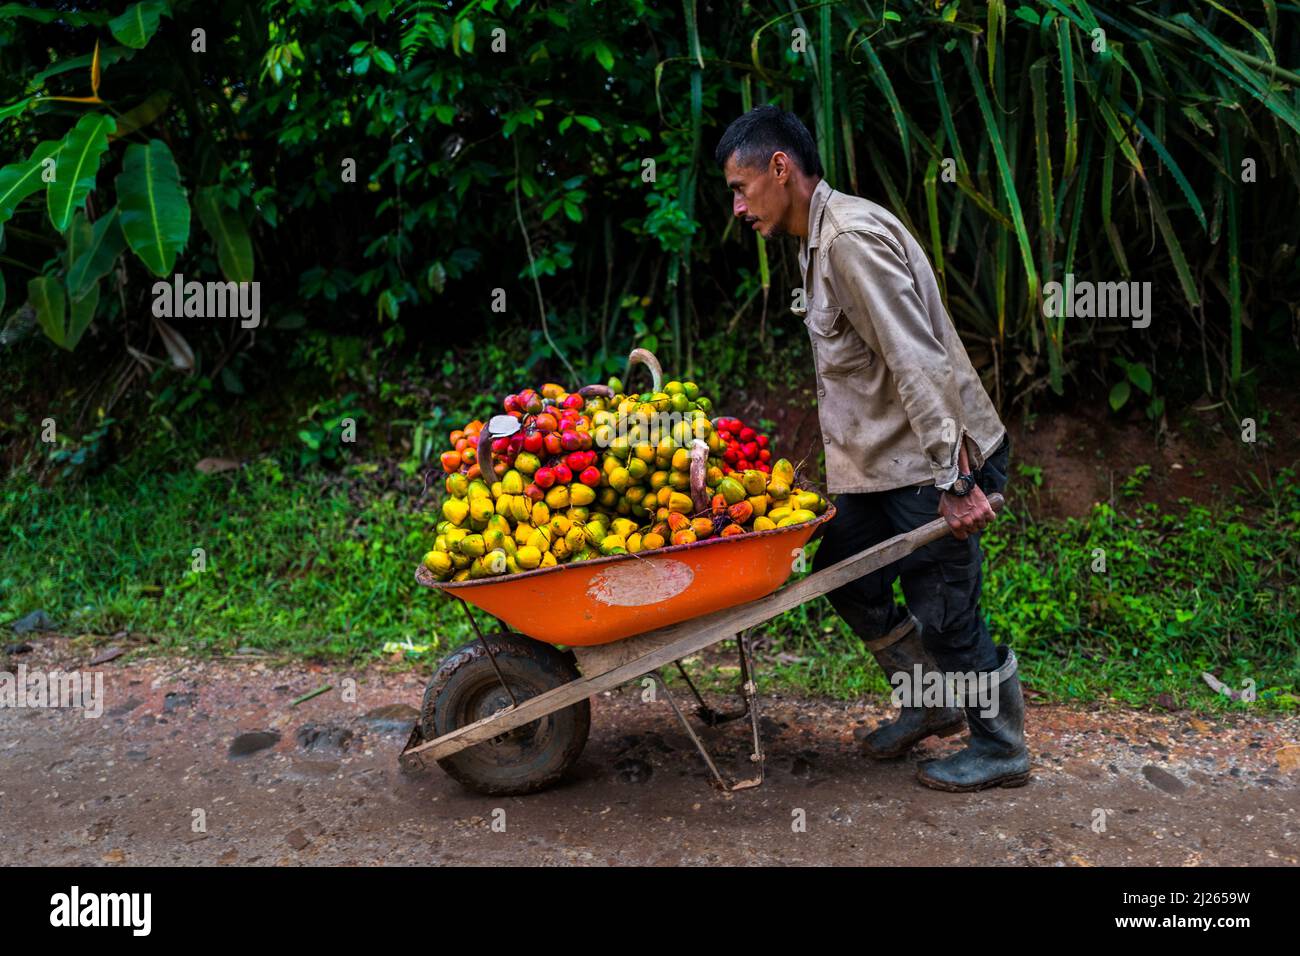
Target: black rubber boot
pixel 901 650
pixel 996 755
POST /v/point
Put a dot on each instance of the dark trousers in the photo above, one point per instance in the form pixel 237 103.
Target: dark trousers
pixel 940 581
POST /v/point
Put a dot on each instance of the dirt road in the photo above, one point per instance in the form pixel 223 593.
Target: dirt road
pixel 159 779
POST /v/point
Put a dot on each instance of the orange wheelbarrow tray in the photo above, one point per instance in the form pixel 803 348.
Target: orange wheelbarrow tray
pixel 609 598
pixel 508 713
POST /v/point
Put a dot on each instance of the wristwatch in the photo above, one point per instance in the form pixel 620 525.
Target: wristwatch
pixel 962 486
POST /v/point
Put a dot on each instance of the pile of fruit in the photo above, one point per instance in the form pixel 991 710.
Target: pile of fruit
pixel 579 475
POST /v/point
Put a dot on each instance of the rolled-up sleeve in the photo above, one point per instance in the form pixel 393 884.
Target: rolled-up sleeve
pixel 875 287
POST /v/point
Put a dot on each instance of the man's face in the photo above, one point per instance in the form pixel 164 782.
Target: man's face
pixel 759 195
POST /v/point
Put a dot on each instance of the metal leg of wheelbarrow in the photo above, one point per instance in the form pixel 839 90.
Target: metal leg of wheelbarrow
pixel 751 706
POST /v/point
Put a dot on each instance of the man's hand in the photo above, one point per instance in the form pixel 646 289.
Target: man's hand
pixel 967 514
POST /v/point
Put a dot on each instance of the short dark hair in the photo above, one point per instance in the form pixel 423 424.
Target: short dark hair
pixel 756 135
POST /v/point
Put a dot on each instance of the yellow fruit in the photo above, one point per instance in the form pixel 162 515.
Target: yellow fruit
pixel 651 541
pixel 540 539
pixel 580 494
pixel 503 504
pixel 473 545
pixel 493 538
pixel 731 489
pixel 512 483
pixel 634 543
pixel 681 460
pixel 522 531
pixel 776 514
pixel 612 544
pixel 548 560
pixel 479 489
pixel 778 490
pixel 576 539
pixel 622 527
pixel 619 479
pixel 528 557
pixel 439 562
pixel 783 471
pixel 541 514
pixel 755 482
pixel 764 524
pixel 521 509
pixel 680 503
pixel 457 485
pixel 558 497
pixel 494 562
pixel 480 509
pixel 804 499
pixel 802 515
pixel 455 510
pixel 759 503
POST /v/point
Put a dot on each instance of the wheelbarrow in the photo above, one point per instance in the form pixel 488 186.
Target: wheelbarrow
pixel 509 712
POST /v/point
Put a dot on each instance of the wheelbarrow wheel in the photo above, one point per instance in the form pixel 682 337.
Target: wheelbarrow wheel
pixel 466 689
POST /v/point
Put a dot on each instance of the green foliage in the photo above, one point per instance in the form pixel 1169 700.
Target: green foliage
pixel 328 429
pixel 378 150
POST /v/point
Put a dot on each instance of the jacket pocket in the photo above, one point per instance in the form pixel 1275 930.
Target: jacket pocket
pixel 838 347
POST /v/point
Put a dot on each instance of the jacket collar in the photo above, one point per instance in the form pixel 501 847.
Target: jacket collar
pixel 816 206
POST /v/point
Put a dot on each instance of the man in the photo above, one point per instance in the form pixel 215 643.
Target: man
pixel 909 433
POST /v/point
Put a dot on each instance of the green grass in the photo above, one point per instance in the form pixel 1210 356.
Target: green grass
pixel 297 565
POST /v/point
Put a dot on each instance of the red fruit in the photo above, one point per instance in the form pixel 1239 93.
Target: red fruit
pixel 551 442
pixel 731 455
pixel 740 512
pixel 562 474
pixel 512 403
pixel 546 422
pixel 533 441
pixel 764 454
pixel 500 444
pixel 516 443
pixel 590 476
pixel 584 439
pixel 450 461
pixel 751 450
pixel 744 465
pixel 544 477
pixel 533 492
pixel 762 441
pixel 576 460
pixel 573 400
pixel 718 505
pixel 748 434
pixel 569 440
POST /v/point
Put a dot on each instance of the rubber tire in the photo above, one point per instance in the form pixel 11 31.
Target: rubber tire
pixel 466 688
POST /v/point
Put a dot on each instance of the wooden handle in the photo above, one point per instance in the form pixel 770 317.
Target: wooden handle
pixel 647 358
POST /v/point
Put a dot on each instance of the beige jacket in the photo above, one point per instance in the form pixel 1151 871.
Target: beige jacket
pixel 895 388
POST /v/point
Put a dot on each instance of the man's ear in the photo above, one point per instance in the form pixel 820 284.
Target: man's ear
pixel 781 167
